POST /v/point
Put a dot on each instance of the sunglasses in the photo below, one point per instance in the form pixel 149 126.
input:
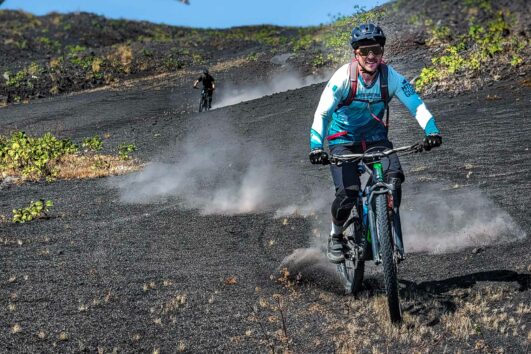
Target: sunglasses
pixel 376 49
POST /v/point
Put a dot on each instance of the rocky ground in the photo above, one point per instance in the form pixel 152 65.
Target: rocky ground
pixel 216 245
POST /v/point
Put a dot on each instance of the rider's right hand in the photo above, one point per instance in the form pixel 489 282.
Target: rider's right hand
pixel 431 141
pixel 319 156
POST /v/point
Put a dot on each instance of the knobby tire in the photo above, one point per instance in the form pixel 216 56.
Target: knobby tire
pixel 388 259
pixel 351 277
pixel 203 104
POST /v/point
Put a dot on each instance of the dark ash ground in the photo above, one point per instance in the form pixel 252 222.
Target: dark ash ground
pixel 102 275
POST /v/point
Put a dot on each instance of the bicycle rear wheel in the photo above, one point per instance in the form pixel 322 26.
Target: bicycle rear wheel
pixel 388 259
pixel 351 275
pixel 202 104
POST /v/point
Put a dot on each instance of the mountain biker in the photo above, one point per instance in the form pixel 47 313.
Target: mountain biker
pixel 208 85
pixel 353 122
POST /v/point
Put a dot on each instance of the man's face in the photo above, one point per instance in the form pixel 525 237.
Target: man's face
pixel 369 56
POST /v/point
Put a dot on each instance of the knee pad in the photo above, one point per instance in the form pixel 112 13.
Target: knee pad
pixel 397 193
pixel 341 207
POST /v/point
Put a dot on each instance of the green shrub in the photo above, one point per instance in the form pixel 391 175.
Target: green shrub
pixel 318 60
pixel 35 210
pixel 482 4
pixel 51 43
pixel 24 77
pixel 427 76
pixel 252 56
pixel 470 52
pixel 516 60
pixel 31 156
pixel 125 149
pixel 303 43
pixel 92 144
pixel 15 80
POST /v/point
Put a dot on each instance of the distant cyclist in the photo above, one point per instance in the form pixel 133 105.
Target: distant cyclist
pixel 353 116
pixel 208 85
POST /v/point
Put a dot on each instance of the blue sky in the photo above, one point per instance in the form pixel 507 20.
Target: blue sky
pixel 203 13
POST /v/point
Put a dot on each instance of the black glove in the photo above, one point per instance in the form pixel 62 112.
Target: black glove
pixel 432 141
pixel 319 156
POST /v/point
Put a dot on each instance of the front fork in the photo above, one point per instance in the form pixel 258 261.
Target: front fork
pixel 397 233
pixel 379 188
pixel 372 231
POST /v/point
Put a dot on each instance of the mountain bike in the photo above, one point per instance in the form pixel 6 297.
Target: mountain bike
pixel 203 102
pixel 373 230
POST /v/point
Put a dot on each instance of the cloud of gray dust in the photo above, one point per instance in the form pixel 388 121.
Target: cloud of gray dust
pixel 434 220
pixel 217 171
pixel 438 220
pixel 233 93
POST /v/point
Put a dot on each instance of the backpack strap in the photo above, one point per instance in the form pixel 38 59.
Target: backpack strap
pixel 384 90
pixel 353 71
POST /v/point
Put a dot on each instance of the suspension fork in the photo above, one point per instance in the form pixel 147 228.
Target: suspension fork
pixel 397 232
pixel 375 242
pixel 395 218
pixel 372 230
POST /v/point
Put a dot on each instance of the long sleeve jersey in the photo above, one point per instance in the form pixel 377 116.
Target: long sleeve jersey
pixel 356 122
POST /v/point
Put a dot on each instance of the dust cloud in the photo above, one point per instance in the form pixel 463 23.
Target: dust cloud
pixel 225 174
pixel 216 171
pixel 436 220
pixel 219 176
pixel 236 93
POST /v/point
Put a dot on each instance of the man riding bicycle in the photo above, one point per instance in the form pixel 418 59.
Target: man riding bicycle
pixel 208 85
pixel 350 115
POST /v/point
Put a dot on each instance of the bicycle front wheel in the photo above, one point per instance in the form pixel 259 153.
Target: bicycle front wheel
pixel 388 260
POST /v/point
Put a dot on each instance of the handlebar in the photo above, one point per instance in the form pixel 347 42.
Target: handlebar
pixel 338 159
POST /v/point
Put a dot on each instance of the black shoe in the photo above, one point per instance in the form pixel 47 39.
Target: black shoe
pixel 334 251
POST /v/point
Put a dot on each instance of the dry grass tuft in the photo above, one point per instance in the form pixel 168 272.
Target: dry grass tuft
pixel 93 166
pixel 181 347
pixel 463 317
pixel 16 328
pixel 231 281
pixel 175 303
pixel 229 64
pixel 78 166
pixel 63 336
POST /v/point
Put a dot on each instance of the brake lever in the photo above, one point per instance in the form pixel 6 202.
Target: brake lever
pixel 418 147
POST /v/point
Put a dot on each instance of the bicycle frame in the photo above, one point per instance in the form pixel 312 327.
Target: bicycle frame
pixel 203 103
pixel 374 186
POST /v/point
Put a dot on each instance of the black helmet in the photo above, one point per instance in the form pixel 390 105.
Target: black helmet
pixel 367 32
pixel 205 71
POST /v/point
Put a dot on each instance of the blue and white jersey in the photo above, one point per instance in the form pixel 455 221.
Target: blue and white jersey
pixel 358 121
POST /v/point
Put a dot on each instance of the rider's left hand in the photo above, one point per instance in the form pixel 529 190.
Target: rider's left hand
pixel 318 156
pixel 431 141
